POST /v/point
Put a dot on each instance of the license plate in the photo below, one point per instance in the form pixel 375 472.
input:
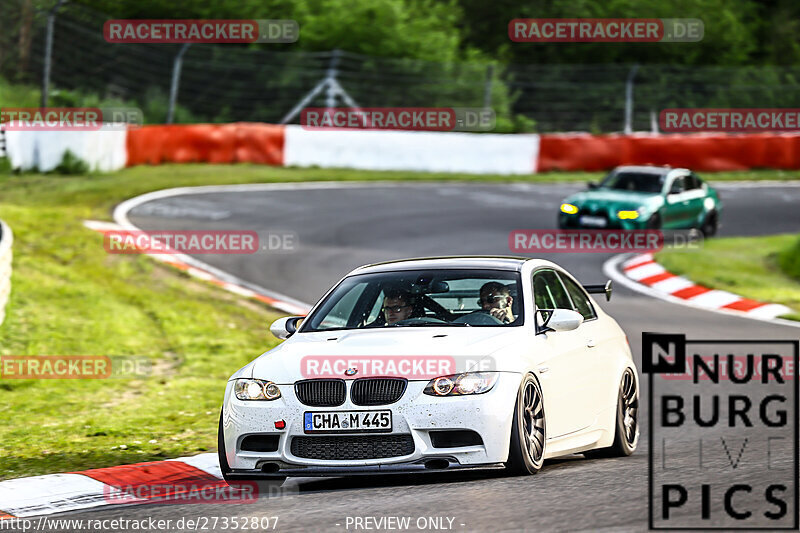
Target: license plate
pixel 597 222
pixel 347 421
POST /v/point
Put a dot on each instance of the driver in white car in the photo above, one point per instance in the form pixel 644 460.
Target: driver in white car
pixel 397 305
pixel 496 299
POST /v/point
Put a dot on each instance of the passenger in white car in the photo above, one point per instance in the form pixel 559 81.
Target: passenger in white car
pixel 495 299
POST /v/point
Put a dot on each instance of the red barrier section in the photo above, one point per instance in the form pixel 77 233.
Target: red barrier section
pixel 699 152
pixel 206 143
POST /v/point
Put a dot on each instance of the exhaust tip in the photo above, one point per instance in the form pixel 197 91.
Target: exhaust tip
pixel 437 464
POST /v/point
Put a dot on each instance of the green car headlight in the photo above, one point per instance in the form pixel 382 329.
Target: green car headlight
pixel 569 209
pixel 256 389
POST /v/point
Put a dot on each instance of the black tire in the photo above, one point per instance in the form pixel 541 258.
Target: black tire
pixel 528 430
pixel 225 468
pixel 626 434
pixel 654 222
pixel 710 224
pixel 223 458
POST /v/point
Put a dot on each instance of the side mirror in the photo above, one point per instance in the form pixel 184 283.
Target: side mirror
pixel 592 185
pixel 283 328
pixel 561 320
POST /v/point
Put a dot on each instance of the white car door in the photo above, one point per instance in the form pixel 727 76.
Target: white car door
pixel 600 342
pixel 565 378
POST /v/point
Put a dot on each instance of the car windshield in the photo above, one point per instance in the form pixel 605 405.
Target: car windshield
pixel 421 298
pixel 634 181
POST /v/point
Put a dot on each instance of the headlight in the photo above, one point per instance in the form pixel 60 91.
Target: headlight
pixel 256 389
pixel 569 209
pixel 461 384
pixel 632 215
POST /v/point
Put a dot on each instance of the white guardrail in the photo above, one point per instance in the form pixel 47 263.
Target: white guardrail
pixel 6 239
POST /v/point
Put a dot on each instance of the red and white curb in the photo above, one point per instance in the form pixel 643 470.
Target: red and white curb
pixel 57 493
pixel 644 271
pixel 211 275
pixel 188 480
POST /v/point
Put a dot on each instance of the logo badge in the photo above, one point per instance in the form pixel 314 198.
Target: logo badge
pixel 352 371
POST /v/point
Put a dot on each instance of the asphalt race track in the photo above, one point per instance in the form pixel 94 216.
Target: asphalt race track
pixel 340 228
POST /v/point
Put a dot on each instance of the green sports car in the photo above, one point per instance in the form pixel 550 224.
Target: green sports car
pixel 644 197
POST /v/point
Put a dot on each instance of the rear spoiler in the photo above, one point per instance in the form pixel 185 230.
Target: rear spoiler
pixel 599 289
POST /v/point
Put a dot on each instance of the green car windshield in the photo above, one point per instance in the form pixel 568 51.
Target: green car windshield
pixel 634 181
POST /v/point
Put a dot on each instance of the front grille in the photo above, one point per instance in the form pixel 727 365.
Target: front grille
pixel 321 392
pixel 596 212
pixel 377 391
pixel 352 448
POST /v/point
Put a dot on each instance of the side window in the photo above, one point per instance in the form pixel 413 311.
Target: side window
pixel 579 298
pixel 678 185
pixel 548 292
pixel 695 181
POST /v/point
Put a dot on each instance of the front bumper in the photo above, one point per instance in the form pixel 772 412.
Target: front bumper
pixel 566 221
pixel 333 471
pixel 415 414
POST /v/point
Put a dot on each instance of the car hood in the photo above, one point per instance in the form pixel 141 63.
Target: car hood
pixel 613 199
pixel 468 345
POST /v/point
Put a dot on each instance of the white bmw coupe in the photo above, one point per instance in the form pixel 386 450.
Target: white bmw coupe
pixel 440 363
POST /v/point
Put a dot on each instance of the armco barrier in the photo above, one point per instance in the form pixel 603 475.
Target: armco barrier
pixel 705 152
pixel 6 239
pixel 206 143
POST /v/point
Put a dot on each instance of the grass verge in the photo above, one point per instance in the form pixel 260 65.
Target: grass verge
pixel 71 298
pixel 748 266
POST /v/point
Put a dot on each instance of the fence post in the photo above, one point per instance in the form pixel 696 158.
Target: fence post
pixel 330 93
pixel 48 51
pixel 629 100
pixel 331 87
pixel 177 64
pixel 487 90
